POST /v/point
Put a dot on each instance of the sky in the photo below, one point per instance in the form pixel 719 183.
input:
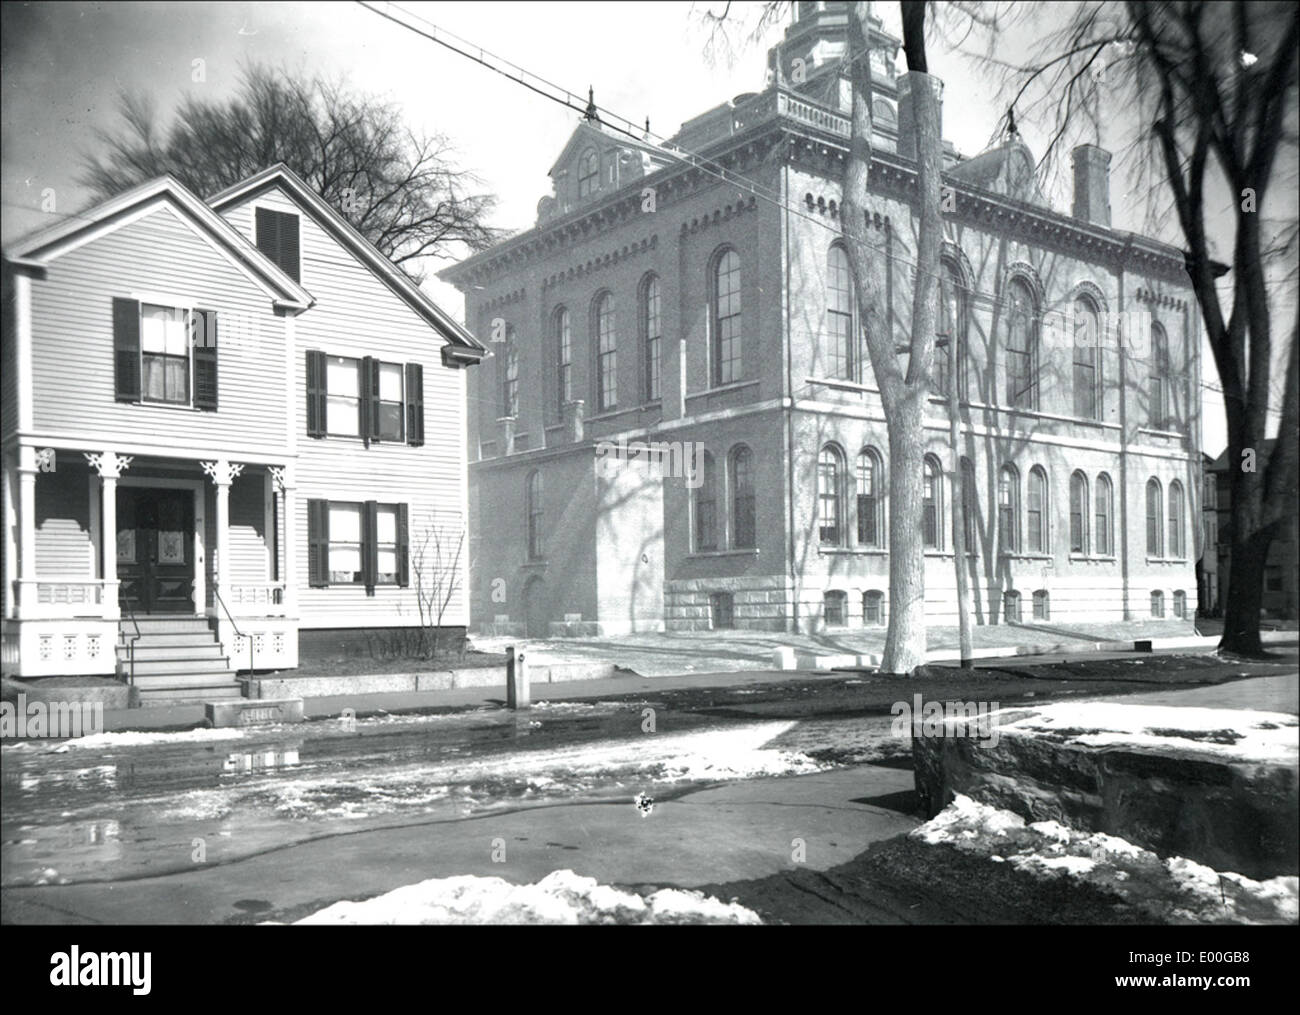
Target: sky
pixel 62 66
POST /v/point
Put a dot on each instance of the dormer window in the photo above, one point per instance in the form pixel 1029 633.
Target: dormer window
pixel 588 173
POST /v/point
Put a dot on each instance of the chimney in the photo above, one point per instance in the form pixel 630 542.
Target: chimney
pixel 573 414
pixel 1092 185
pixel 505 435
pixel 907 111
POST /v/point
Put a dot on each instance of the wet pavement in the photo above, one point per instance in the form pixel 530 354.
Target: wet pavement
pixel 126 815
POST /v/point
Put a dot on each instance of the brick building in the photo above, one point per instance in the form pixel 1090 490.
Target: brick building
pixel 706 305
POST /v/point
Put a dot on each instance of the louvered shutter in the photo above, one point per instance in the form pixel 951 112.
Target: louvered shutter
pixel 403 546
pixel 370 546
pixel 317 404
pixel 414 404
pixel 205 359
pixel 268 234
pixel 318 543
pixel 126 350
pixel 369 399
pixel 289 245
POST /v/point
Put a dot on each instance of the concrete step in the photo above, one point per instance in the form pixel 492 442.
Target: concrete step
pixel 183 679
pixel 164 625
pixel 195 694
pixel 148 652
pixel 161 667
pixel 180 638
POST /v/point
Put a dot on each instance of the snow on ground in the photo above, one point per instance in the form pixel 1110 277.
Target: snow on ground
pixel 1219 733
pixel 1176 889
pixel 562 897
pixel 133 738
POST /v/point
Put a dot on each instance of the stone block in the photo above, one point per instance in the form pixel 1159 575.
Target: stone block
pixel 253 712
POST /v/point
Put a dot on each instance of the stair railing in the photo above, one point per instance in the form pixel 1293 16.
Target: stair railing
pixel 130 648
pixel 238 633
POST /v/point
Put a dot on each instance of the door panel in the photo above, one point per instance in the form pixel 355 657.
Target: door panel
pixel 155 549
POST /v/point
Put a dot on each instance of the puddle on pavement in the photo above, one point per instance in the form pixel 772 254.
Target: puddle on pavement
pixel 163 807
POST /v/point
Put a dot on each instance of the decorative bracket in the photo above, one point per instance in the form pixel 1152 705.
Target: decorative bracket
pixel 222 472
pixel 109 464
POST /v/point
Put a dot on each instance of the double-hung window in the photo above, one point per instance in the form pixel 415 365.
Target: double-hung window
pixel 351 396
pixel 164 355
pixel 357 543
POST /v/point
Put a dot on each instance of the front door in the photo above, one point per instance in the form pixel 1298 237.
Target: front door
pixel 155 549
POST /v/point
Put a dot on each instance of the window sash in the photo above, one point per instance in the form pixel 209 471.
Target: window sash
pixel 165 361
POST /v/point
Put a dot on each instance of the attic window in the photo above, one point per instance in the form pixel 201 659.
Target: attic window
pixel 277 238
pixel 588 172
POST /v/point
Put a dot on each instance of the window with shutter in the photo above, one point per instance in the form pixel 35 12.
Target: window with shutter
pixel 318 544
pixel 317 406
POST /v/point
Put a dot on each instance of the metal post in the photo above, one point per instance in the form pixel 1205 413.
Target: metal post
pixel 517 693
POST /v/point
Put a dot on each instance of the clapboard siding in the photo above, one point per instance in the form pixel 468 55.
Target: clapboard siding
pixel 63 544
pixel 8 360
pixel 356 314
pixel 72 328
pixel 248 548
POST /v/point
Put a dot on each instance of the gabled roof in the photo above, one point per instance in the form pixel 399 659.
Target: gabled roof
pixel 38 249
pixel 594 136
pixel 463 347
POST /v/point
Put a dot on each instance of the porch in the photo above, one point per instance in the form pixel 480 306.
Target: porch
pixel 97 541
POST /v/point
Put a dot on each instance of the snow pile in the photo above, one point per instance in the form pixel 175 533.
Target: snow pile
pixel 1176 889
pixel 562 897
pixel 1217 733
pixel 136 738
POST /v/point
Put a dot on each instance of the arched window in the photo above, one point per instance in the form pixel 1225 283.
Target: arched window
pixel 651 334
pixel 1078 513
pixel 841 351
pixel 563 357
pixel 534 497
pixel 1087 359
pixel 1042 605
pixel 706 513
pixel 1157 603
pixel 1158 380
pixel 726 318
pixel 1155 536
pixel 1180 604
pixel 510 376
pixel 606 353
pixel 1104 512
pixel 1009 509
pixel 871 526
pixel 873 607
pixel 932 503
pixel 829 509
pixel 588 172
pixel 1011 606
pixel 834 608
pixel 1177 548
pixel 1038 511
pixel 743 536
pixel 1022 346
pixel 952 319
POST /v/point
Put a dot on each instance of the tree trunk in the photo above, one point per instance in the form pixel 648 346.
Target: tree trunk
pixel 1244 596
pixel 905 639
pixel 958 507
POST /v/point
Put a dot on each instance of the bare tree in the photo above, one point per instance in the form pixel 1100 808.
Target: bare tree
pixel 1212 88
pixel 437 576
pixel 402 191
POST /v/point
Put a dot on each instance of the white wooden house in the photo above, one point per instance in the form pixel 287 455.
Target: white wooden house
pixel 224 425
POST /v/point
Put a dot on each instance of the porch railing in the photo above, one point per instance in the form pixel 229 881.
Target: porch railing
pixel 216 593
pixel 264 599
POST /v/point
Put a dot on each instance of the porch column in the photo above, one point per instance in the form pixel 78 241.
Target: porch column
pixel 27 470
pixel 284 478
pixel 11 538
pixel 110 467
pixel 222 473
